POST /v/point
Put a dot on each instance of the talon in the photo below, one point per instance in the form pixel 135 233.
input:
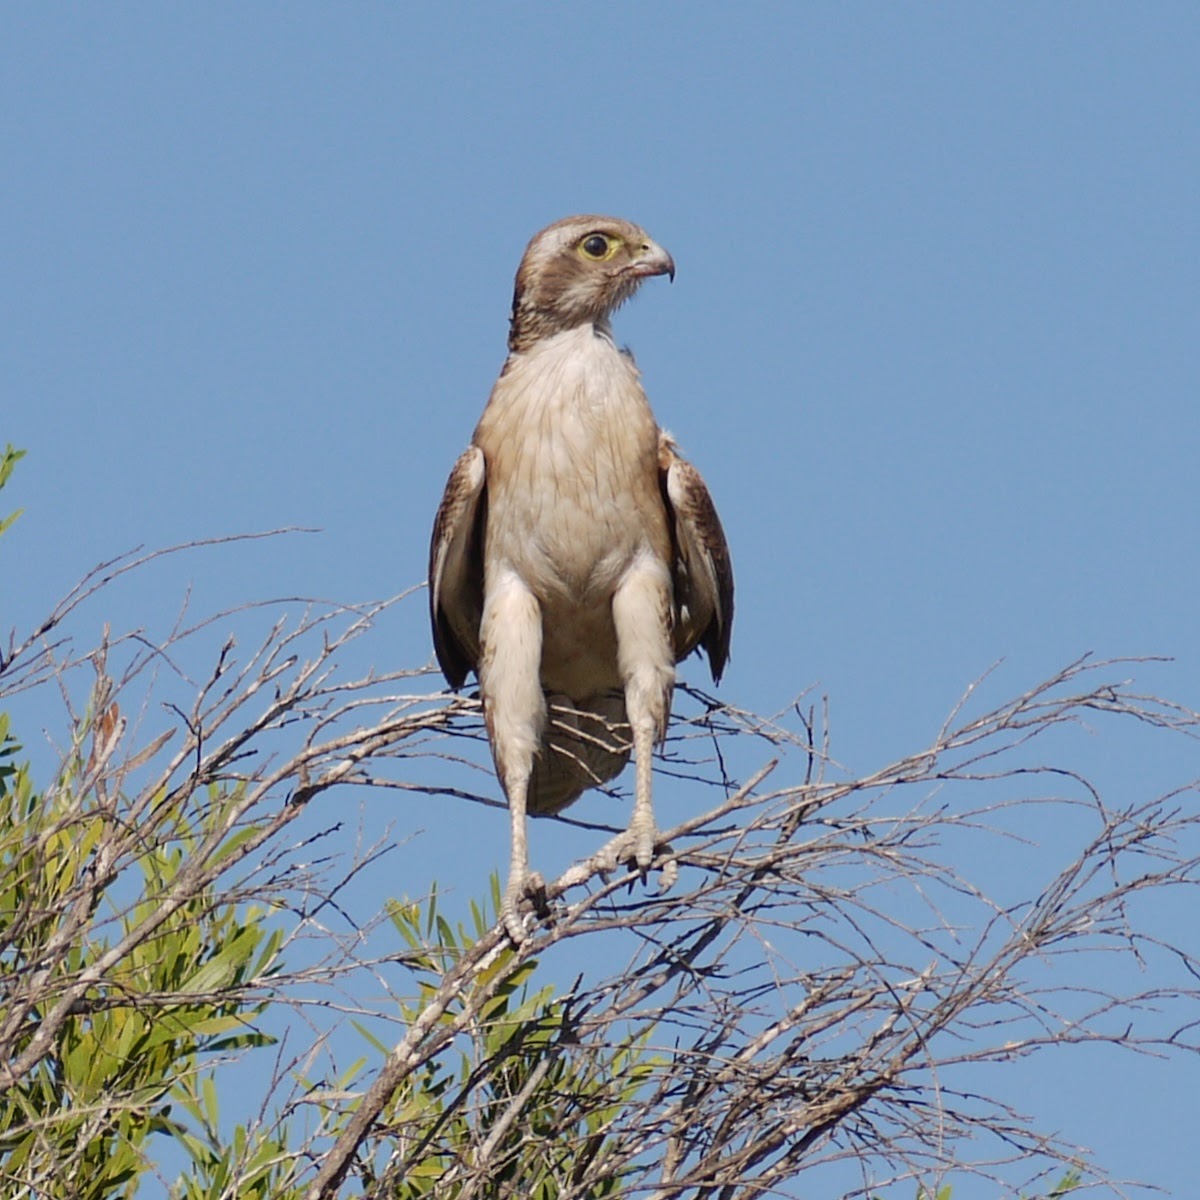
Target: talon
pixel 529 887
pixel 535 889
pixel 643 849
pixel 669 874
pixel 510 911
pixel 638 848
pixel 514 923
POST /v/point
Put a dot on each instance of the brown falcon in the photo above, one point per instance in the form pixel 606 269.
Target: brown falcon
pixel 576 557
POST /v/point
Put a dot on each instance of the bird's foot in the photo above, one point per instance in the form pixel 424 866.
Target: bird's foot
pixel 521 887
pixel 637 846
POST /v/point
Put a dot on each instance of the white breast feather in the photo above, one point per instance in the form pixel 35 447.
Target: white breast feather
pixel 573 446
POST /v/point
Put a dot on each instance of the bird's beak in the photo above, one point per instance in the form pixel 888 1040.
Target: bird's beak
pixel 654 260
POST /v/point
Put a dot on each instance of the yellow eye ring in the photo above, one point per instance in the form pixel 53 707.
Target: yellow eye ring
pixel 599 247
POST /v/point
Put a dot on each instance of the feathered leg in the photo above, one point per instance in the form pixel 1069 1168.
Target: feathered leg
pixel 515 711
pixel 642 615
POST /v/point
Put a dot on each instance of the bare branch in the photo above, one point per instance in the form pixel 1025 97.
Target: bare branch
pixel 841 959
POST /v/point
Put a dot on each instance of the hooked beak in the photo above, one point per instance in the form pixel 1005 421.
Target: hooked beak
pixel 653 260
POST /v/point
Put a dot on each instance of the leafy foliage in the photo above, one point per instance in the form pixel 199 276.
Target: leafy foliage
pixel 108 1003
pixel 8 460
pixel 77 1123
pixel 525 1110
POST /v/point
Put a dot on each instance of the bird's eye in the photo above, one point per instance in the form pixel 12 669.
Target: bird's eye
pixel 597 247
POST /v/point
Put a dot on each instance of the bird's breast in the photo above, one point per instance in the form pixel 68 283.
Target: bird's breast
pixel 572 467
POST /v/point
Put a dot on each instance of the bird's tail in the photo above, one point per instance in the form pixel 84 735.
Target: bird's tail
pixel 585 744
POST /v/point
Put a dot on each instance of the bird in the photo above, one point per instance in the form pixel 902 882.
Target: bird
pixel 576 556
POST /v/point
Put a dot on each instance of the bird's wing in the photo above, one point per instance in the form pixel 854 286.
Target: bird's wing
pixel 701 570
pixel 456 568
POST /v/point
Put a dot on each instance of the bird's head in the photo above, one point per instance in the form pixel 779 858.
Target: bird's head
pixel 579 271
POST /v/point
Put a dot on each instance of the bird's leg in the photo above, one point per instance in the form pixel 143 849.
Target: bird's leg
pixel 521 880
pixel 642 616
pixel 642 829
pixel 515 710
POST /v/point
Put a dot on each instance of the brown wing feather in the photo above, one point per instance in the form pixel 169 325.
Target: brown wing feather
pixel 456 568
pixel 701 571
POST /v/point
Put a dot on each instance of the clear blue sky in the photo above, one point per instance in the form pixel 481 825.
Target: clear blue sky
pixel 933 339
